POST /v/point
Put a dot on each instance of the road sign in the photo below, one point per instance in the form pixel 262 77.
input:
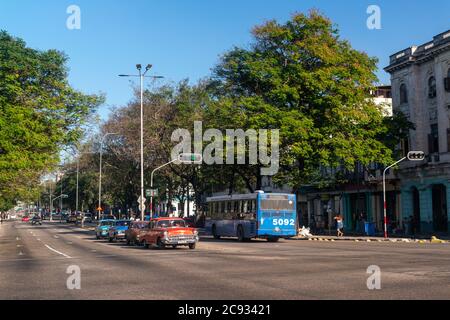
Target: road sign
pixel 190 158
pixel 142 207
pixel 416 155
pixel 151 192
pixel 64 196
pixel 99 209
pixel 140 200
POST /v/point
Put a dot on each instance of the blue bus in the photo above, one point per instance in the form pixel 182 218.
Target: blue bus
pixel 268 216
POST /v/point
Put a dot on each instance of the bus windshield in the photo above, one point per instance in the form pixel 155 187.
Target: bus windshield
pixel 277 203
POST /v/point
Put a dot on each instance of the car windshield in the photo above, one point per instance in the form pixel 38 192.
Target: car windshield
pixel 122 223
pixel 175 223
pixel 106 223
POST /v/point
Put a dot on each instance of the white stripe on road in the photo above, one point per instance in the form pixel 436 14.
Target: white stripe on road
pixel 56 251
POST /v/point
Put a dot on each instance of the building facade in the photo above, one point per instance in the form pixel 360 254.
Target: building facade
pixel 420 79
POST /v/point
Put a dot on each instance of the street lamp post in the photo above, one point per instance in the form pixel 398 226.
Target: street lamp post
pixel 185 158
pixel 100 174
pixel 412 156
pixel 78 173
pixel 141 76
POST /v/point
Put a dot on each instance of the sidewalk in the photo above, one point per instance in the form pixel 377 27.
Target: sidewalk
pixel 371 239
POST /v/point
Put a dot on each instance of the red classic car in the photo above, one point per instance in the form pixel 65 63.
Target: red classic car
pixel 163 232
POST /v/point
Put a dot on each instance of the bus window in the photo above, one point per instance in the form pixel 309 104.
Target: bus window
pixel 245 206
pixel 237 208
pixel 252 206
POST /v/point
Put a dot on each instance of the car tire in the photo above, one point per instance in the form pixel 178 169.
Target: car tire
pixel 159 244
pixel 214 232
pixel 273 239
pixel 240 234
pixel 174 246
pixel 192 246
pixel 128 242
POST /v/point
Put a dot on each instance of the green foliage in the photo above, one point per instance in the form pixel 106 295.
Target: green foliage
pixel 301 78
pixel 39 114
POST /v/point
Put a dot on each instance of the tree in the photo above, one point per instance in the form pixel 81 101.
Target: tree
pixel 39 115
pixel 301 78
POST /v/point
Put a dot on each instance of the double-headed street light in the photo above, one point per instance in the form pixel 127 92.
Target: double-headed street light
pixel 412 156
pixel 142 75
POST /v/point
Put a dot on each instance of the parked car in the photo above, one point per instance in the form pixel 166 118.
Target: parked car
pixel 36 220
pixel 102 230
pixel 163 232
pixel 118 229
pixel 25 219
pixel 134 232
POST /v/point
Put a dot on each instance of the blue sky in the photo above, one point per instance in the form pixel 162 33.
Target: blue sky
pixel 184 38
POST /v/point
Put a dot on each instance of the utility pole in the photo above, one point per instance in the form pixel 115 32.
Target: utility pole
pixel 141 76
pixel 412 156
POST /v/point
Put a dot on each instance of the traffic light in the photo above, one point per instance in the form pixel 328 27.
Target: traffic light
pixel 190 158
pixel 416 156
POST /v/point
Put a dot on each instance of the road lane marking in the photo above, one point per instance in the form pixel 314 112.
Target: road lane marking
pixel 56 251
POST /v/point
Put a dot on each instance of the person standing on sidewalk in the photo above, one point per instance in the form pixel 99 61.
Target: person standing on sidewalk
pixel 339 225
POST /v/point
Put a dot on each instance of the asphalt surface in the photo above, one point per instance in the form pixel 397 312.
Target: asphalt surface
pixel 34 262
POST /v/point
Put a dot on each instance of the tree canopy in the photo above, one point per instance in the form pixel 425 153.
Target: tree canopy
pixel 40 113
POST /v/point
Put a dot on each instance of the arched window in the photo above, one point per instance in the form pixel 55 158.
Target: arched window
pixel 432 87
pixel 403 93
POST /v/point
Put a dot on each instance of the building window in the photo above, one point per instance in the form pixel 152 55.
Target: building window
pixel 405 146
pixel 433 139
pixel 448 140
pixel 403 94
pixel 447 81
pixel 432 87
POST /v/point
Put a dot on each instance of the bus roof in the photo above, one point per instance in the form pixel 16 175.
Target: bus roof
pixel 249 196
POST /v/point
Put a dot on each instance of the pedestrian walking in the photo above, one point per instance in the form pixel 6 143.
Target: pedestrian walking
pixel 339 225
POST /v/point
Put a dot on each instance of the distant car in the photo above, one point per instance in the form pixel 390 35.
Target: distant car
pixel 25 219
pixel 118 229
pixel 71 219
pixel 163 232
pixel 134 232
pixel 102 230
pixel 88 218
pixel 107 217
pixel 36 220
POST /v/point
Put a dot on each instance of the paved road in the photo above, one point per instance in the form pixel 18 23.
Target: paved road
pixel 34 261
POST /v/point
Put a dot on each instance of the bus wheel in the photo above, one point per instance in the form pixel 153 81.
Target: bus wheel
pixel 240 234
pixel 214 232
pixel 273 239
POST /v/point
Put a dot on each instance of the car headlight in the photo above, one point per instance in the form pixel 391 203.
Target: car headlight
pixel 195 232
pixel 166 234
